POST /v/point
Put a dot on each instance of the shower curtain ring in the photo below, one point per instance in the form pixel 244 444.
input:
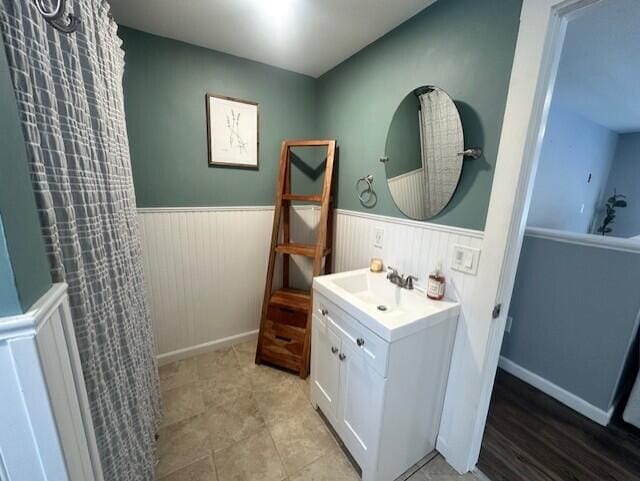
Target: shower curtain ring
pixel 54 16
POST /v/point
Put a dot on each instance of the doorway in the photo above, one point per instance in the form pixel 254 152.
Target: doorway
pixel 562 405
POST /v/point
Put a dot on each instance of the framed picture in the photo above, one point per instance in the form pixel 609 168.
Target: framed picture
pixel 232 132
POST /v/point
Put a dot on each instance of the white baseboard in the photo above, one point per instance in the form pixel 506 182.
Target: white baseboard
pixel 576 403
pixel 179 354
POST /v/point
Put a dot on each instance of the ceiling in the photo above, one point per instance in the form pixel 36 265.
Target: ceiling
pixel 305 36
pixel 599 74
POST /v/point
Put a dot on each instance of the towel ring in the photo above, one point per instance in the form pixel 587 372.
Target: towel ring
pixel 367 179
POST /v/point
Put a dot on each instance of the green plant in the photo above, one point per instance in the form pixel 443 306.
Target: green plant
pixel 613 202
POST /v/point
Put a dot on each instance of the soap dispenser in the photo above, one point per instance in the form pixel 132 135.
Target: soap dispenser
pixel 436 283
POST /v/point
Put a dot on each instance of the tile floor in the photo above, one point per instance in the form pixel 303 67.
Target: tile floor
pixel 226 419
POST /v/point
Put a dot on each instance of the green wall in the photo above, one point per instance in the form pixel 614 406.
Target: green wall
pixel 24 270
pixel 462 46
pixel 165 84
pixel 9 300
pixel 402 146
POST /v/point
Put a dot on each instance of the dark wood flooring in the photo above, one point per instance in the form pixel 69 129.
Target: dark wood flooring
pixel 531 436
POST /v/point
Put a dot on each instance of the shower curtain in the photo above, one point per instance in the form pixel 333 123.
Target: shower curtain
pixel 440 139
pixel 69 93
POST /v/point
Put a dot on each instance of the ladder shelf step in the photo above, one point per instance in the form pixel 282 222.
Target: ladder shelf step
pixel 302 197
pixel 307 250
pixel 295 299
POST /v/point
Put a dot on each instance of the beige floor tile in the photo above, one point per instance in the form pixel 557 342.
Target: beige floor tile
pixel 232 422
pixel 281 401
pixel 266 377
pixel 210 362
pixel 181 403
pixel 178 374
pixel 330 467
pixel 201 470
pixel 301 440
pixel 246 353
pixel 181 444
pixel 225 385
pixel 247 346
pixel 253 459
pixel 418 476
pixel 439 470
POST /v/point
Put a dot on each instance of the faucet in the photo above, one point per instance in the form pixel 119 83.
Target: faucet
pixel 400 280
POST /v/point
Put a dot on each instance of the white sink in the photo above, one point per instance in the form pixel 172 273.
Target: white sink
pixel 386 309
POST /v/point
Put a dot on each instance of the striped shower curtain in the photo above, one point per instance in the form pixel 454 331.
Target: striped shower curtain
pixel 69 94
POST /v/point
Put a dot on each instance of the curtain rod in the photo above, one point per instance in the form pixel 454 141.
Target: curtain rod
pixel 55 17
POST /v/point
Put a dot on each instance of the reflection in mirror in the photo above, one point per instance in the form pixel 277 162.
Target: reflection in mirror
pixel 423 161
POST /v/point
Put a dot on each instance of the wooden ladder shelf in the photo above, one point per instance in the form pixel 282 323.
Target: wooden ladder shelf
pixel 285 324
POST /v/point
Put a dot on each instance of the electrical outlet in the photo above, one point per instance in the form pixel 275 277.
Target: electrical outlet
pixel 507 327
pixel 378 237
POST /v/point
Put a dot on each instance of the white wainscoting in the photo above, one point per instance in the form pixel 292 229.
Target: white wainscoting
pixel 407 190
pixel 206 267
pixel 47 433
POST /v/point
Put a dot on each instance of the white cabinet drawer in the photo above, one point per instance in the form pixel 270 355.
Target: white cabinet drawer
pixel 374 349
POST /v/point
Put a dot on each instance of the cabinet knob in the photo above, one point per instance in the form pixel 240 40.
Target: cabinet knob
pixel 342 357
pixel 360 342
pixel 334 349
pixel 324 312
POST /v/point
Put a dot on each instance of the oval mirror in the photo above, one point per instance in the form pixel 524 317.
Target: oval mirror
pixel 423 159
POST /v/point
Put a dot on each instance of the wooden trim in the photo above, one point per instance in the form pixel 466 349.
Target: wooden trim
pixel 211 162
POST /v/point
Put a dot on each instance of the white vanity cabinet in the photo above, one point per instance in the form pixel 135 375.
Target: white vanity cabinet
pixel 383 398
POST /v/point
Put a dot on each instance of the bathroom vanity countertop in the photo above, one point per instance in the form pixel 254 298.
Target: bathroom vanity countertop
pixel 361 292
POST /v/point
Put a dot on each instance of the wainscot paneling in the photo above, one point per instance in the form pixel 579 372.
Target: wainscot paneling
pixel 205 267
pixel 407 190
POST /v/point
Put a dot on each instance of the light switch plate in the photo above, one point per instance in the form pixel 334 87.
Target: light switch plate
pixel 378 237
pixel 465 259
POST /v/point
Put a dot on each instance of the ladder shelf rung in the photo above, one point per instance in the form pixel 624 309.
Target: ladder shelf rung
pixel 302 197
pixel 307 250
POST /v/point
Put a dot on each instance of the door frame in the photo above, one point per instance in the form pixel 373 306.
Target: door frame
pixel 535 65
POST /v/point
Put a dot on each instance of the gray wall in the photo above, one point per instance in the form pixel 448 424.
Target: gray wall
pixel 625 177
pixel 573 148
pixel 26 268
pixel 462 46
pixel 575 311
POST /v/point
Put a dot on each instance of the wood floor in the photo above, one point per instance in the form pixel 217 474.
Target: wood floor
pixel 530 436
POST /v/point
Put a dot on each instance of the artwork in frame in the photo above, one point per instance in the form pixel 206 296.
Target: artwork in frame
pixel 232 132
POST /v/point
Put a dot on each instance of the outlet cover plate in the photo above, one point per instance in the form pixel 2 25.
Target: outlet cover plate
pixel 378 237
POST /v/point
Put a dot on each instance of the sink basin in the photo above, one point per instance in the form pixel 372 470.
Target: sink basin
pixel 386 309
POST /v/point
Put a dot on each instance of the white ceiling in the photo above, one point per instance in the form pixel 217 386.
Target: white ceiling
pixel 599 74
pixel 305 36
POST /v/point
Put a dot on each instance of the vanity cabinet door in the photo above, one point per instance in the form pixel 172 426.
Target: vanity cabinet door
pixel 325 364
pixel 360 407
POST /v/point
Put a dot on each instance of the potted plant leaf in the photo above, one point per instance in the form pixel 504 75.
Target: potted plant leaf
pixel 613 202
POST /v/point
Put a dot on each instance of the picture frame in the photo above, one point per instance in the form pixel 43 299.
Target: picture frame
pixel 232 132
